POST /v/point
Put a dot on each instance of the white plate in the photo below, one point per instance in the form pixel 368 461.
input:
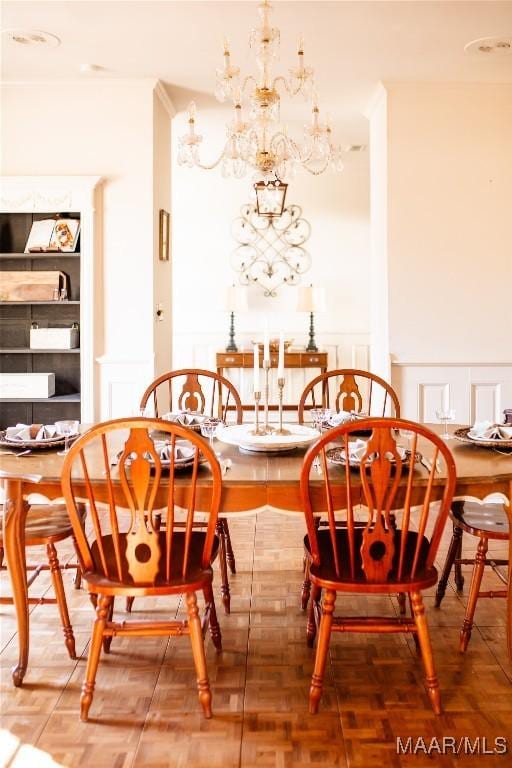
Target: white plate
pixel 241 435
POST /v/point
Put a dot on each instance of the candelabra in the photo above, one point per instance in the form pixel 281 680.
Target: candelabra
pixel 281 430
pixel 268 430
pixel 257 429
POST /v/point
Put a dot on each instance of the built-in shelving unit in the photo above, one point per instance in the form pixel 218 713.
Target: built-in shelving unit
pixel 16 318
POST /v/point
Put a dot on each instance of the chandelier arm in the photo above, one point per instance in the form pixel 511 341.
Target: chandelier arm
pixel 246 82
pixel 211 166
pixel 317 172
pixel 282 79
pixel 288 86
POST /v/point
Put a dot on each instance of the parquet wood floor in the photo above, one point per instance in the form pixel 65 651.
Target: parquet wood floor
pixel 146 713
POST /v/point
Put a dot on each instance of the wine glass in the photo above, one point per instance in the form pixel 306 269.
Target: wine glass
pixel 67 428
pixel 320 416
pixel 209 428
pixel 445 415
pixel 407 435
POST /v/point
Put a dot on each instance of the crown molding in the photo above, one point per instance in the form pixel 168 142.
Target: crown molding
pixel 378 96
pixel 91 81
pixel 164 98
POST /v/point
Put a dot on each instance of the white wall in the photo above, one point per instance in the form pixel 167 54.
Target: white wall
pixel 108 130
pixel 450 222
pixel 204 207
pixel 449 228
pixel 379 298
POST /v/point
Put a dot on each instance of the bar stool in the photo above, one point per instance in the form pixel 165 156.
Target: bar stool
pixel 487 522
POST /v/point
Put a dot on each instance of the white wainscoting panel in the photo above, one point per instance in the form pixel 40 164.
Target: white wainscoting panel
pixel 475 391
pixel 122 384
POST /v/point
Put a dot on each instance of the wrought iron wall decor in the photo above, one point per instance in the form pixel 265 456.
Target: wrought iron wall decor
pixel 270 251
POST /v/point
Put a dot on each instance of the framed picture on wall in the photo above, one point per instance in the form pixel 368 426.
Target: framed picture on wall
pixel 164 235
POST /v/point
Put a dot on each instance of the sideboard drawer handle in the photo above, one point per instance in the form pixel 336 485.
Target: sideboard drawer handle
pixel 313 359
pixel 230 359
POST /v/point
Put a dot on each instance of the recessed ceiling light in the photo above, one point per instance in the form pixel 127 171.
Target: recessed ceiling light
pixel 356 148
pixel 33 37
pixel 490 46
pixel 89 69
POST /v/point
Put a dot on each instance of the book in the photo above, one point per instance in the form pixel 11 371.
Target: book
pixel 48 235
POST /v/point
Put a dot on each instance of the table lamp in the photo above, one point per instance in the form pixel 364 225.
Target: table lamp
pixel 236 301
pixel 311 300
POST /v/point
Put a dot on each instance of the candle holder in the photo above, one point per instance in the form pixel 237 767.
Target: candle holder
pixel 268 430
pixel 281 430
pixel 257 429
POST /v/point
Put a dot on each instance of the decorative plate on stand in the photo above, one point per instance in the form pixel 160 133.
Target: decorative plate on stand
pixel 243 436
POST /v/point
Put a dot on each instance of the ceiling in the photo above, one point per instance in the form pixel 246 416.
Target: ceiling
pixel 351 45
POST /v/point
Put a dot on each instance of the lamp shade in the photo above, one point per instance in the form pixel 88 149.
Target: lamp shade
pixel 311 299
pixel 236 299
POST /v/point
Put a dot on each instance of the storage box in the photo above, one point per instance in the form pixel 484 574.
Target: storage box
pixel 31 286
pixel 27 385
pixel 54 338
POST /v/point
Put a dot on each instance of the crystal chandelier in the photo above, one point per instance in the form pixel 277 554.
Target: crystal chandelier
pixel 260 142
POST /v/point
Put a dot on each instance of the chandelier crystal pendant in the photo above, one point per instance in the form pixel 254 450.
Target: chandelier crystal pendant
pixel 260 142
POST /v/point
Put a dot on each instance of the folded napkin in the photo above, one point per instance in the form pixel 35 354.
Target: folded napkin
pixel 343 417
pixel 488 430
pixel 24 432
pixel 357 449
pixel 185 418
pixel 183 451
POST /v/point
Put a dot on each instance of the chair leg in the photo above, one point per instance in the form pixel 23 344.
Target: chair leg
pixel 196 638
pixel 77 581
pixel 129 604
pixel 474 589
pixel 230 555
pixel 402 604
pixel 431 680
pixel 311 625
pixel 306 585
pixel 58 588
pixel 224 581
pixel 459 578
pixel 107 640
pixel 453 552
pixel 94 656
pixel 213 622
pixel 322 647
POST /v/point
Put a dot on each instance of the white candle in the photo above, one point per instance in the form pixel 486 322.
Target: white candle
pixel 256 350
pixel 280 359
pixel 266 345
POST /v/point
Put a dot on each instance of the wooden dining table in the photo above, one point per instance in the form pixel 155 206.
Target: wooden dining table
pixel 251 482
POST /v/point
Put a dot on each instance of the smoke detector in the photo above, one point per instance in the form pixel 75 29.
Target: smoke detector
pixel 33 37
pixel 490 46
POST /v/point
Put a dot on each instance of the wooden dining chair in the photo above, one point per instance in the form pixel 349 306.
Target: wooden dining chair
pixel 349 389
pixel 204 392
pixel 124 553
pixel 47 525
pixel 382 556
pixel 346 389
pixel 488 522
